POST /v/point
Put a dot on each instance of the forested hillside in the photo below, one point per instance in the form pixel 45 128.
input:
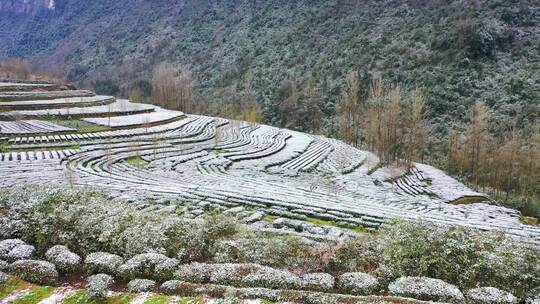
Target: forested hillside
pixel 298 52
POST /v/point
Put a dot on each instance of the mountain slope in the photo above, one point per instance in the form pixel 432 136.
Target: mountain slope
pixel 459 51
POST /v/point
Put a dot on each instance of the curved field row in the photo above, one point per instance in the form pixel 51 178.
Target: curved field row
pixel 136 120
pixel 36 155
pixel 11 128
pixel 103 112
pixel 37 95
pixel 316 152
pixel 56 103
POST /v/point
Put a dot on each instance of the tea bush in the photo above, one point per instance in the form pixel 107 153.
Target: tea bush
pixel 87 221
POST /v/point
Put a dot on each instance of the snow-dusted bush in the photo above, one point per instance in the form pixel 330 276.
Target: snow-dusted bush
pixel 231 274
pixel 489 295
pixel 20 252
pixel 317 281
pixel 15 249
pixel 3 265
pixel 194 272
pixel 358 283
pixel 86 221
pixel 119 227
pixel 3 277
pixel 458 255
pixel 426 289
pixel 289 252
pixel 99 285
pixel 533 296
pixel 272 278
pixel 7 245
pixel 149 265
pixel 243 275
pixel 35 271
pixel 357 254
pixel 172 287
pixel 98 262
pixel 228 300
pixel 102 262
pixel 65 260
pixel 141 285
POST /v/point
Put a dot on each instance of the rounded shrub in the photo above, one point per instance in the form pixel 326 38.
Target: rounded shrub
pixel 64 260
pixel 426 289
pixel 35 271
pixel 99 285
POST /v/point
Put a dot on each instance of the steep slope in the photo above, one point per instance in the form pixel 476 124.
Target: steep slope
pixel 459 51
pixel 25 6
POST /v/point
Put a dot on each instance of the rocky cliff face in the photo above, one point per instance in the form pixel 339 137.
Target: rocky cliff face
pixel 25 6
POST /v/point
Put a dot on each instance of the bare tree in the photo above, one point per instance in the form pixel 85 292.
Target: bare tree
pixel 477 138
pixel 416 128
pixel 251 111
pixel 350 110
pixel 172 87
pixel 135 95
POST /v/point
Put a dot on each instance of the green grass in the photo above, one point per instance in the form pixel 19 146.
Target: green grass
pixel 81 125
pixel 123 298
pixel 158 299
pixel 82 297
pixel 321 222
pixel 466 200
pixel 79 297
pixel 35 295
pixel 219 151
pixel 137 161
pixel 270 218
pixel 10 286
pixel 180 210
pixel 529 220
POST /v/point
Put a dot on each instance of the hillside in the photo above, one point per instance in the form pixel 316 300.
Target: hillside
pixel 458 51
pixel 114 201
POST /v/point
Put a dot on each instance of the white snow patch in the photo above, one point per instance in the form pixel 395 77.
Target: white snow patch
pixel 16 295
pixel 58 296
pixel 141 298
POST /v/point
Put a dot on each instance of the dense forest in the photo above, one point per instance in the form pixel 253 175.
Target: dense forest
pixel 457 82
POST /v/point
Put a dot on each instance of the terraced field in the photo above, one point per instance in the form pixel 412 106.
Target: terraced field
pixel 144 151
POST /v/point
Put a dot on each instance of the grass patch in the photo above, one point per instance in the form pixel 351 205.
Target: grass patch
pixel 270 218
pixel 80 125
pixel 220 151
pixel 11 285
pixel 375 168
pixel 4 148
pixel 466 200
pixel 158 299
pixel 35 295
pixel 82 297
pixel 137 161
pixel 321 222
pixel 75 147
pixel 123 298
pixel 529 220
pixel 180 210
pixel 79 297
